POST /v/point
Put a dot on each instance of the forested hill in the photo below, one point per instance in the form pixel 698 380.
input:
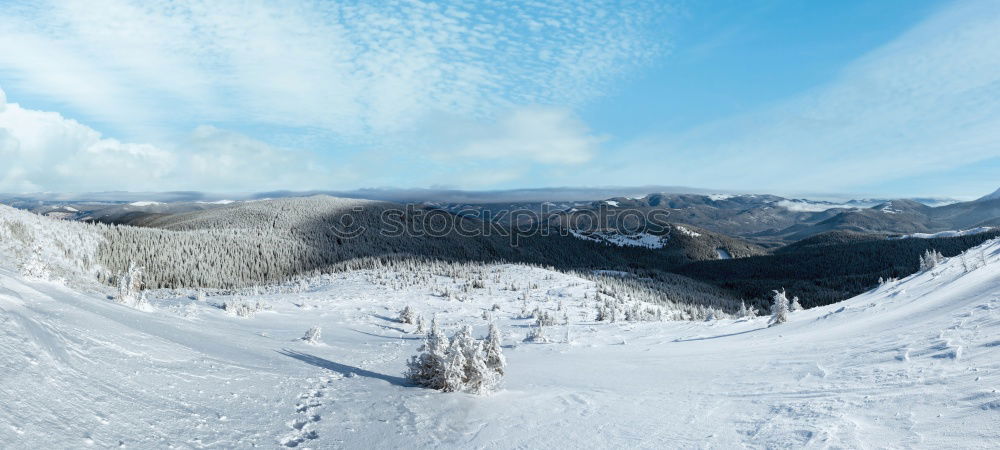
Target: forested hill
pixel 827 268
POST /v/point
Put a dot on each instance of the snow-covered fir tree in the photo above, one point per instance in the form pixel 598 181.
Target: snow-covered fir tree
pixel 35 267
pixel 130 288
pixel 461 363
pixel 795 306
pixel 427 368
pixel 407 315
pixel 930 259
pixel 536 334
pixel 312 335
pixel 493 351
pixel 453 372
pixel 779 309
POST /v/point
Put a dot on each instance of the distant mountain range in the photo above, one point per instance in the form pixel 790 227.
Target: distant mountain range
pixel 767 220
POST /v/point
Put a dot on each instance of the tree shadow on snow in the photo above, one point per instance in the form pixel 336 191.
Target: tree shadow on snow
pixel 387 337
pixel 719 336
pixel 385 318
pixel 343 369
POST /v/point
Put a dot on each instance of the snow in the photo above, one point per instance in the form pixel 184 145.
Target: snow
pixel 686 231
pixel 949 233
pixel 720 197
pixel 646 240
pixel 723 253
pixel 887 208
pixel 218 202
pixel 145 203
pixel 809 206
pixel 611 203
pixel 913 363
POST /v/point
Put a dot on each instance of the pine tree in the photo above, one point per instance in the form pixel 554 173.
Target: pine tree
pixel 312 335
pixel 478 377
pixel 420 324
pixel 453 377
pixel 930 259
pixel 779 310
pixel 796 306
pixel 493 350
pixel 129 284
pixel 427 368
pixel 407 315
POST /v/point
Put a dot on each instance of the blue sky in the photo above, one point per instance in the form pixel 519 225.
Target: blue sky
pixel 888 98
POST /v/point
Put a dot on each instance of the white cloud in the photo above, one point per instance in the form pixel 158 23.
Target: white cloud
pixel 542 135
pixel 46 151
pixel 223 160
pixel 929 100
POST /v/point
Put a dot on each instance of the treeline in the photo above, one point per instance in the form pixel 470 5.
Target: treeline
pixel 827 273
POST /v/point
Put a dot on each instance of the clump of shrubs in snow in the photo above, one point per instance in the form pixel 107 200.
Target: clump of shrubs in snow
pixel 543 317
pixel 887 281
pixel 536 334
pixel 241 308
pixel 612 309
pixel 312 335
pixel 459 364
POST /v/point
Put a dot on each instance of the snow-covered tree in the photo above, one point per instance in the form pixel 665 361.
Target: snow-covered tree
pixel 407 315
pixel 461 363
pixel 453 372
pixel 536 333
pixel 493 351
pixel 427 368
pixel 241 308
pixel 743 312
pixel 130 289
pixel 130 284
pixel 796 306
pixel 478 378
pixel 779 309
pixel 930 259
pixel 312 335
pixel 35 267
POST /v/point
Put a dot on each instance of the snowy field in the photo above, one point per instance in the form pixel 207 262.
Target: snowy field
pixel 914 363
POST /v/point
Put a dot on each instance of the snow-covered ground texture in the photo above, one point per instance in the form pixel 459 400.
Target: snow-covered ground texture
pixel 646 240
pixel 950 233
pixel 913 363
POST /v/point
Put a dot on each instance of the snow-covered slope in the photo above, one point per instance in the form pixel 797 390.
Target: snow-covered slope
pixel 995 195
pixel 914 363
pixel 949 233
